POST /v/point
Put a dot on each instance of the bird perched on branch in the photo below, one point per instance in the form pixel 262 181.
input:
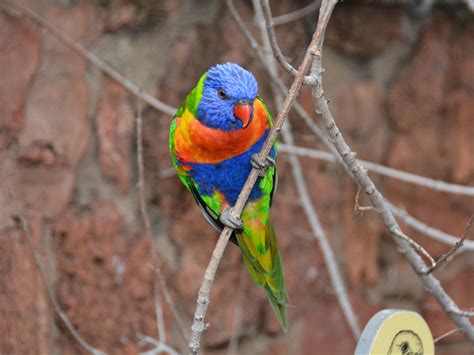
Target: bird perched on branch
pixel 215 139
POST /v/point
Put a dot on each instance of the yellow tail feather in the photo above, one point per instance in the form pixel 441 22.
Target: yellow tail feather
pixel 265 267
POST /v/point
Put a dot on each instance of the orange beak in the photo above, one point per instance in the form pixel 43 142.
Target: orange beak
pixel 243 113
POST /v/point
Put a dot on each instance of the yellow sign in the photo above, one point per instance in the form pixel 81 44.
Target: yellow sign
pixel 395 332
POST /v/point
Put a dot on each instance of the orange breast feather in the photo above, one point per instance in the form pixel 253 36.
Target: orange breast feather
pixel 197 143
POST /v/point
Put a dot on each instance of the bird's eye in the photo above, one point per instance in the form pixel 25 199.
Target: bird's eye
pixel 221 93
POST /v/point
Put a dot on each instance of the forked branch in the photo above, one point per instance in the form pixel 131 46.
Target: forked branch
pixel 380 204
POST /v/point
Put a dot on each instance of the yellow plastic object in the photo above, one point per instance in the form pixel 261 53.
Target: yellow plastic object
pixel 396 332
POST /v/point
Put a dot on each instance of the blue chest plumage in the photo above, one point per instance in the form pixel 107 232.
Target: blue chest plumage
pixel 228 176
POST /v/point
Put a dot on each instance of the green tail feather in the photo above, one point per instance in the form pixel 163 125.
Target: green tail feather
pixel 270 277
pixel 279 310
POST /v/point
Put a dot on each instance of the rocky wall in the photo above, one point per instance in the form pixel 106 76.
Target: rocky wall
pixel 401 84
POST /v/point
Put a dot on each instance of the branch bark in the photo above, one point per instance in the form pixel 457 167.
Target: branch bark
pixel 295 15
pixel 308 80
pixel 304 196
pixel 401 175
pixel 379 203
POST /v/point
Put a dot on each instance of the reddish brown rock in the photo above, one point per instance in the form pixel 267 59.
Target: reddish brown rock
pixel 115 122
pixel 104 279
pixel 460 106
pixel 19 48
pixel 104 283
pixel 26 324
pixel 429 106
pixel 56 125
pixel 361 118
pixel 353 27
pixel 325 331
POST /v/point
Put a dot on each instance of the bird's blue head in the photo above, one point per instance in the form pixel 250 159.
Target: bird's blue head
pixel 227 97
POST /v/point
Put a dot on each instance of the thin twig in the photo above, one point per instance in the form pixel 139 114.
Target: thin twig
pixel 141 172
pixel 146 222
pixel 92 58
pixel 41 272
pixel 159 346
pixel 304 196
pixel 172 307
pixel 199 325
pixel 358 209
pixel 433 184
pixel 452 331
pixel 431 232
pixel 431 284
pixel 308 80
pixel 237 316
pixel 160 324
pixel 398 233
pixel 444 258
pixel 404 216
pixel 295 15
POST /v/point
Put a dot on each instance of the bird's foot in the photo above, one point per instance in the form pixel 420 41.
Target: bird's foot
pixel 260 164
pixel 229 220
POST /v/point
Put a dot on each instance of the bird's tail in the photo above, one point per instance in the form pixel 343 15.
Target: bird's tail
pixel 262 260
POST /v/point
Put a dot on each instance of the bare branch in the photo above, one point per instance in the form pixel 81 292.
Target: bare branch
pixel 295 15
pixel 433 184
pixel 421 227
pixel 452 331
pixel 41 272
pixel 308 80
pixel 378 201
pixel 358 209
pixel 172 307
pixel 304 196
pixel 444 258
pixel 91 58
pixel 237 316
pixel 141 172
pixel 159 346
pixel 146 222
pixel 404 216
pixel 199 325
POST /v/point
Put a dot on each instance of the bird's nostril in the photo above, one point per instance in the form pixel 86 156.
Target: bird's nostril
pixel 245 102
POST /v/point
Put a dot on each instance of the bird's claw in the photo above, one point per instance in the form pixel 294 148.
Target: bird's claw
pixel 260 164
pixel 229 220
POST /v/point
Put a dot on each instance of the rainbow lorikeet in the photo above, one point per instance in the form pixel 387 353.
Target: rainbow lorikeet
pixel 214 140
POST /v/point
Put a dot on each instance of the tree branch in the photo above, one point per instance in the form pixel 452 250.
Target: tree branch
pixel 459 244
pixel 433 184
pixel 295 15
pixel 404 216
pixel 421 227
pixel 304 196
pixel 158 280
pixel 381 206
pixel 308 80
pixel 199 325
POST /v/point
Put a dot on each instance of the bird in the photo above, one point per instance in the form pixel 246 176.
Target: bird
pixel 215 138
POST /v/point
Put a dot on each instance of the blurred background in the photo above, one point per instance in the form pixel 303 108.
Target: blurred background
pixel 400 77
